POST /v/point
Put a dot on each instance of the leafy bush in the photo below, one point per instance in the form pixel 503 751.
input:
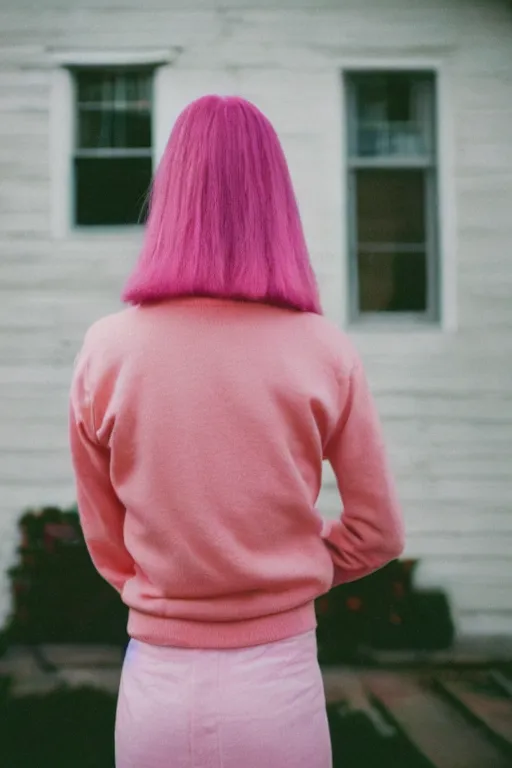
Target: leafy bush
pixel 57 595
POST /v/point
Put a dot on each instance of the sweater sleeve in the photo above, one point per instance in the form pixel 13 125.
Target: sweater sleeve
pixel 101 512
pixel 370 532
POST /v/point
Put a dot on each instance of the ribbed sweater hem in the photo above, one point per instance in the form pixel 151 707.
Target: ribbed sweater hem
pixel 183 633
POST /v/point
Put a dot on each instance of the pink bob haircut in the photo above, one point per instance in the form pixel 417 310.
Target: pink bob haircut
pixel 223 220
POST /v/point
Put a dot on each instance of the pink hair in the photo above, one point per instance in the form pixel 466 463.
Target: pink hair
pixel 223 219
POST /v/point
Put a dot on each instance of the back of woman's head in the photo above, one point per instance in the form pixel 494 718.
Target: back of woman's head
pixel 223 220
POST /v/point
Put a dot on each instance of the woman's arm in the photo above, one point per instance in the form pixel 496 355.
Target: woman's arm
pixel 101 512
pixel 370 532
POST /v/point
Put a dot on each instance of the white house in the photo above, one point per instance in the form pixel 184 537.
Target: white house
pixel 396 117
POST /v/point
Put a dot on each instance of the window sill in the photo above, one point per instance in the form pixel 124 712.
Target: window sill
pixel 104 232
pixel 405 325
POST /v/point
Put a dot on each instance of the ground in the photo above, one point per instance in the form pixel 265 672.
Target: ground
pixel 451 709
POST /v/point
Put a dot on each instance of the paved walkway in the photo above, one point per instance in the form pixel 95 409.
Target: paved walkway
pixel 98 666
pixel 75 666
pixel 452 709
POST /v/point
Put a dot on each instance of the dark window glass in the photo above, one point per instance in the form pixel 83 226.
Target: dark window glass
pixel 101 129
pixel 392 192
pixel 390 117
pixel 113 154
pixel 390 206
pixel 387 96
pixel 111 190
pixel 103 86
pixel 392 282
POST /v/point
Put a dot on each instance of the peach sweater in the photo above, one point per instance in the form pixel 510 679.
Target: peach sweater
pixel 198 429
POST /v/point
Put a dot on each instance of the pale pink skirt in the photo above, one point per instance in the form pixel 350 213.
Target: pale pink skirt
pixel 261 707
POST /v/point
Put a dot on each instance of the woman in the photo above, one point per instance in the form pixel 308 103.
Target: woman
pixel 200 417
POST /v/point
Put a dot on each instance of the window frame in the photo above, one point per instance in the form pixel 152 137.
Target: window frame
pixel 447 261
pixel 63 126
pixel 429 165
pixel 106 152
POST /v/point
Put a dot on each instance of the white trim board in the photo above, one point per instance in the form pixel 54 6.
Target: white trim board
pixel 99 58
pixel 62 121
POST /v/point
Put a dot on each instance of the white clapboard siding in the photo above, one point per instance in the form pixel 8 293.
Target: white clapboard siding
pixel 439 406
pixel 35 467
pixel 39 435
pixel 425 518
pixel 19 224
pixel 16 499
pixel 495 597
pixel 45 408
pixel 477 571
pixel 484 623
pixel 445 397
pixel 459 544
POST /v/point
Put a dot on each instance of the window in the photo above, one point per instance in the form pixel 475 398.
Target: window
pixel 393 246
pixel 112 160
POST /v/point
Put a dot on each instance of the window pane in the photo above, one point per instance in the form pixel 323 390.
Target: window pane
pixel 390 206
pixel 97 86
pixel 99 128
pixel 392 282
pixel 110 191
pixel 137 87
pixel 393 115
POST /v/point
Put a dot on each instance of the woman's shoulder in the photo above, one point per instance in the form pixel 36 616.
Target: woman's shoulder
pixel 111 325
pixel 108 334
pixel 332 341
